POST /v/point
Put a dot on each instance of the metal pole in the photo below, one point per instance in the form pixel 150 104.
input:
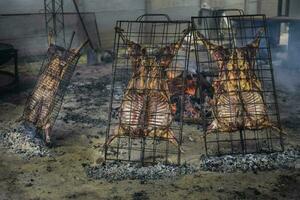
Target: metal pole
pixel 83 25
pixel 54 21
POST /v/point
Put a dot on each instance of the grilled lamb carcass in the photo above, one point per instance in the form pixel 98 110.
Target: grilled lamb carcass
pixel 146 110
pixel 41 103
pixel 238 95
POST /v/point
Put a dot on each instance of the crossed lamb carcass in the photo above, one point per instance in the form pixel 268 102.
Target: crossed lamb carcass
pixel 146 110
pixel 238 101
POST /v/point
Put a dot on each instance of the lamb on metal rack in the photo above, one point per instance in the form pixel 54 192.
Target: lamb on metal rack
pixel 238 101
pixel 146 110
pixel 43 104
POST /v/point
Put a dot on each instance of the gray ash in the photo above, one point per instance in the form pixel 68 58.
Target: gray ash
pixel 252 162
pixel 24 141
pixel 117 171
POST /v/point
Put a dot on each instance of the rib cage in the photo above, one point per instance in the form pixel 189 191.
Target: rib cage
pixel 145 112
pixel 146 107
pixel 238 101
pixel 45 97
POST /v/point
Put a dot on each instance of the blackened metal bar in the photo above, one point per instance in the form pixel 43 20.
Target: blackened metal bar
pixel 142 155
pixel 153 15
pixel 154 149
pixel 246 141
pixel 218 143
pixel 114 68
pixel 269 139
pixel 231 142
pixel 71 41
pixel 16 66
pixel 129 147
pixel 118 147
pixel 287 8
pixel 83 24
pixel 199 85
pixel 167 152
pixel 187 53
pixel 97 31
pixel 242 141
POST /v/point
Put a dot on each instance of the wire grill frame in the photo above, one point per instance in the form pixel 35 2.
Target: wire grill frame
pixel 58 67
pixel 154 35
pixel 234 32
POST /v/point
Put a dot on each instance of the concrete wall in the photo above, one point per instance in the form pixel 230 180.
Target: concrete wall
pixel 239 4
pixel 27 32
pixel 108 11
pixel 269 7
pixel 176 9
pixel 294 8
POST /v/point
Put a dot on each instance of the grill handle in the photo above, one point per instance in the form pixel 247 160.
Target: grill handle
pixel 140 18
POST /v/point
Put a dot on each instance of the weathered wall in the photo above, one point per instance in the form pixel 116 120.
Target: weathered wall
pixel 269 7
pixel 294 8
pixel 176 9
pixel 108 11
pixel 27 33
pixel 239 4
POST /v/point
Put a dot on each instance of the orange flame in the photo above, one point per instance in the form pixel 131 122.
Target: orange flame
pixel 191 87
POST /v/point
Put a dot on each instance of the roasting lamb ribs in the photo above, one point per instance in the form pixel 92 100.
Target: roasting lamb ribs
pixel 146 110
pixel 238 101
pixel 46 95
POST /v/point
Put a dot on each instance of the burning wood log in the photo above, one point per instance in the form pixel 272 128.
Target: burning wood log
pixel 238 101
pixel 146 110
pixel 189 89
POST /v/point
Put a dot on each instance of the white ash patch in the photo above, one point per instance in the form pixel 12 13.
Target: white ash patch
pixel 22 140
pixel 117 171
pixel 252 162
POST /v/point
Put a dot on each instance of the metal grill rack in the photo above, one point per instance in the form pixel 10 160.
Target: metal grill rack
pixel 239 108
pixel 149 53
pixel 43 105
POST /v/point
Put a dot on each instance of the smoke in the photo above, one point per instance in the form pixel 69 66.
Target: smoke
pixel 286 71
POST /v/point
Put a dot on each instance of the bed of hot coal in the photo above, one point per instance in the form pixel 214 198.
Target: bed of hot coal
pixel 120 171
pixel 23 140
pixel 250 162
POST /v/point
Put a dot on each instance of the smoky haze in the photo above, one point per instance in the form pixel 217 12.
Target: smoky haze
pixel 286 71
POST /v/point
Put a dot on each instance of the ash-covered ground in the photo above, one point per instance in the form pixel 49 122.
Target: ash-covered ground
pixel 73 168
pixel 24 141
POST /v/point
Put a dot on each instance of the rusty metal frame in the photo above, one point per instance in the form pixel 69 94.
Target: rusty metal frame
pixel 242 29
pixel 152 33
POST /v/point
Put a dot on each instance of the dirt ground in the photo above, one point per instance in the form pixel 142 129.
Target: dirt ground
pixel 80 131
